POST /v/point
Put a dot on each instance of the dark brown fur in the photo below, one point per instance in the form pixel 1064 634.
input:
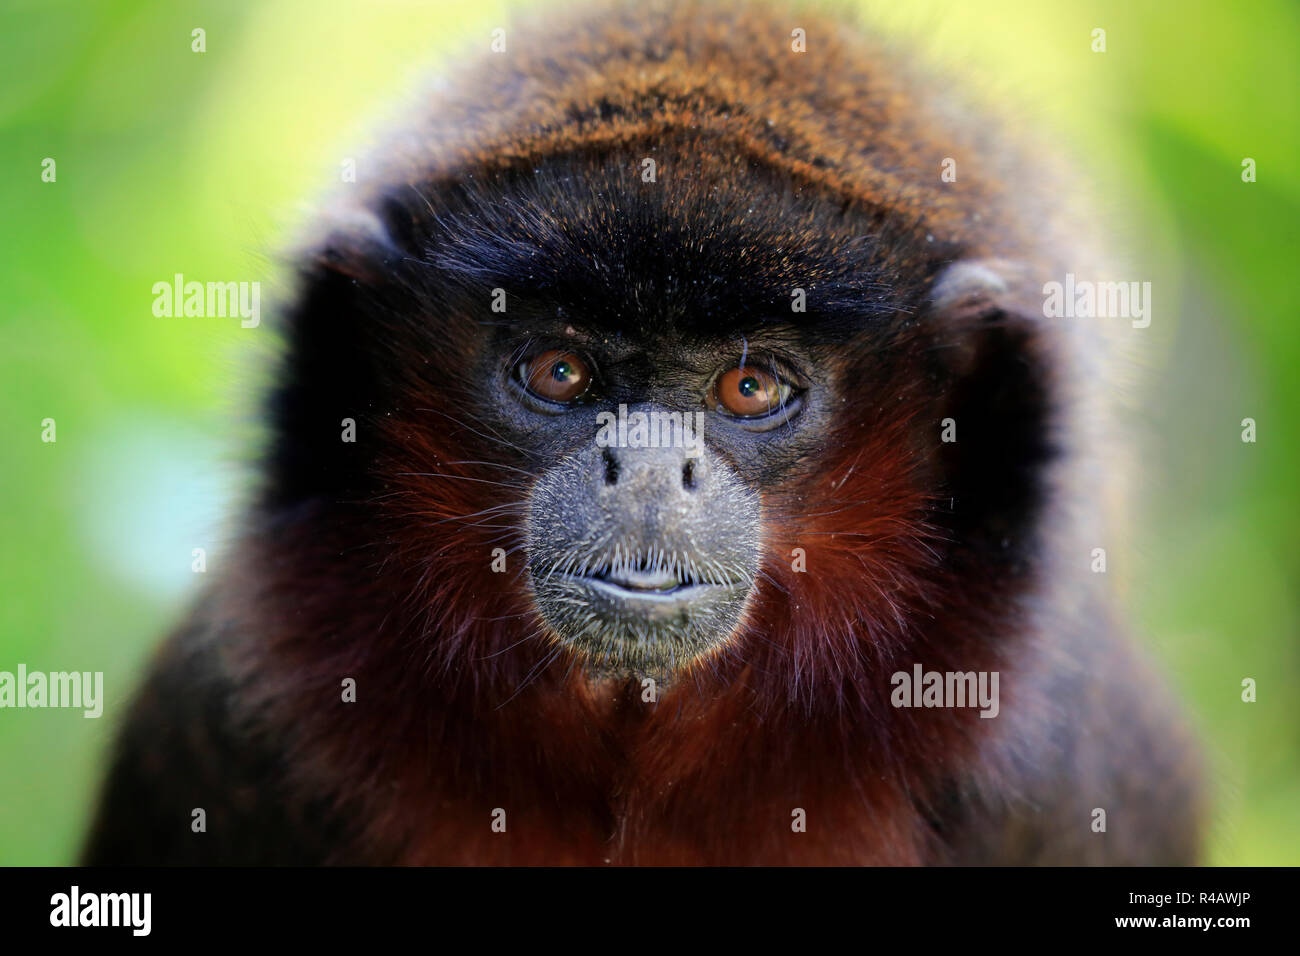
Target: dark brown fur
pixel 371 561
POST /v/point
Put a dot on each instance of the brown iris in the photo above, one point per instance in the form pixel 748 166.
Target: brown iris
pixel 555 375
pixel 748 392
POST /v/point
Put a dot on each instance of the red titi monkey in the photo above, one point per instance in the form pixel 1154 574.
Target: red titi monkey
pixel 507 624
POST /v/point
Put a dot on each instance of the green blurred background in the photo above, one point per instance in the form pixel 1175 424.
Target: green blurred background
pixel 172 161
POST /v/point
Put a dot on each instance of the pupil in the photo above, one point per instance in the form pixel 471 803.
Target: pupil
pixel 748 386
pixel 560 371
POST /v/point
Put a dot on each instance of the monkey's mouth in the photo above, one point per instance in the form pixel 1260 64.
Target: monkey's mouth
pixel 654 594
pixel 641 619
pixel 637 583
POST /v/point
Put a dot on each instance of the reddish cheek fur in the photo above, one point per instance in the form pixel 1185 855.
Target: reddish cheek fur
pixel 465 705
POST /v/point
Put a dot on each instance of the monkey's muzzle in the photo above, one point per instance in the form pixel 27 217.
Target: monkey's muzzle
pixel 642 559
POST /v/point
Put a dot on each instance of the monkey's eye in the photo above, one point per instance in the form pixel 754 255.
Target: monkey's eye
pixel 555 375
pixel 748 392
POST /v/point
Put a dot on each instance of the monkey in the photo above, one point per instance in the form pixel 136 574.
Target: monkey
pixel 651 413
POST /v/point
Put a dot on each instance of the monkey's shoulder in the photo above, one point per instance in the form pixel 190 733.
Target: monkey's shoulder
pixel 194 779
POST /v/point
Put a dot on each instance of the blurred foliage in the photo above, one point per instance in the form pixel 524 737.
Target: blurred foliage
pixel 171 161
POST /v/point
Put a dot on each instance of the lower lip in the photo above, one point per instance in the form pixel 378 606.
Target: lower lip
pixel 679 594
pixel 609 598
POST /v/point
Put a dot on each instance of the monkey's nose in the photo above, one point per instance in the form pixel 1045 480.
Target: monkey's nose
pixel 669 471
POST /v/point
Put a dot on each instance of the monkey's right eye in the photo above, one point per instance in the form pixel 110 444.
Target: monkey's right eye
pixel 555 376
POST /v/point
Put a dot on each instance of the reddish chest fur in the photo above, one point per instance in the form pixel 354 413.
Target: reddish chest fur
pixel 678 783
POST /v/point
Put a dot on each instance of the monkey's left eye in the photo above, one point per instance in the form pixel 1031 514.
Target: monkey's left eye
pixel 747 392
pixel 555 375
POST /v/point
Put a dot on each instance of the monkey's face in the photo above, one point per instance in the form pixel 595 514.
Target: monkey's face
pixel 635 413
pixel 643 542
pixel 662 414
pixel 649 417
pixel 661 456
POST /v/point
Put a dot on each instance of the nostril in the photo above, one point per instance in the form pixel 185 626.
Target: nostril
pixel 688 474
pixel 611 467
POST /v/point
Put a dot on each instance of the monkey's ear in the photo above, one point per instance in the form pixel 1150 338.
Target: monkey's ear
pixel 1000 404
pixel 358 245
pixel 969 281
pixel 972 292
pixel 982 306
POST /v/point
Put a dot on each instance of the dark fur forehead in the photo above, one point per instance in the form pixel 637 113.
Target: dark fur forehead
pixel 710 247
